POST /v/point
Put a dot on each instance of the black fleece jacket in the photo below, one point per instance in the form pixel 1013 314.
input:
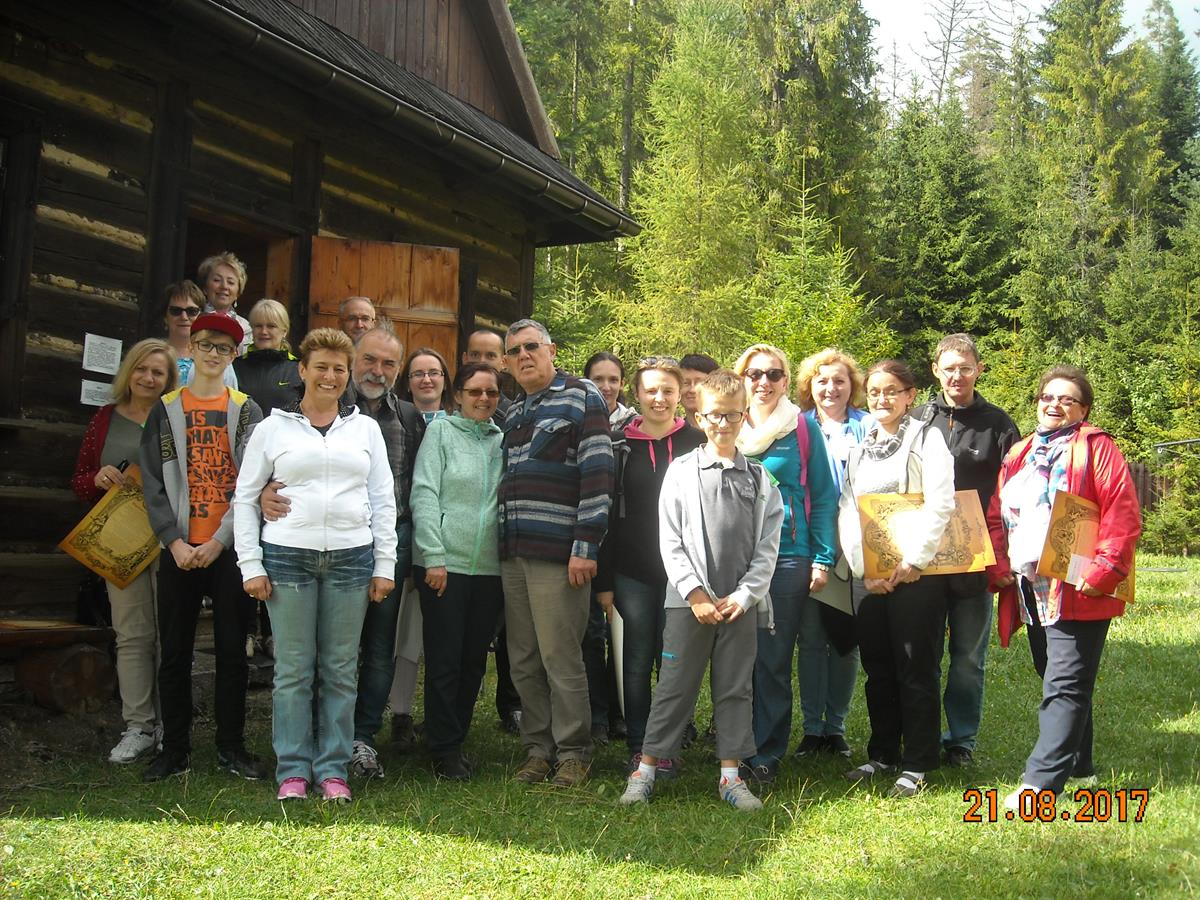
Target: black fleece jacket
pixel 978 435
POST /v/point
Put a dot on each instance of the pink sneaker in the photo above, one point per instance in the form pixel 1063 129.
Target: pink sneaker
pixel 336 789
pixel 293 789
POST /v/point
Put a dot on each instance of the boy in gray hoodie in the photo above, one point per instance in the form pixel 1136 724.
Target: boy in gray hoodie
pixel 720 517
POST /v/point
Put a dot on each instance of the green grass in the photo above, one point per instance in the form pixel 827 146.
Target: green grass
pixel 83 828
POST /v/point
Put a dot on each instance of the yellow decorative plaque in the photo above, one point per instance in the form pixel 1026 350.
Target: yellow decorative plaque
pixel 115 540
pixel 1071 543
pixel 965 545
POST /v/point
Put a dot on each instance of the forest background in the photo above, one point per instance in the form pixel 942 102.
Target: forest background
pixel 1037 185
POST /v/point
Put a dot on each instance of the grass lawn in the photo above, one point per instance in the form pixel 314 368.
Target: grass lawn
pixel 79 827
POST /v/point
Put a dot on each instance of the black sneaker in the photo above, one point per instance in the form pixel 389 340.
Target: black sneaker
pixel 404 736
pixel 600 734
pixel 242 764
pixel 511 721
pixel 452 767
pixel 836 744
pixel 165 765
pixel 761 774
pixel 689 735
pixel 617 730
pixel 959 757
pixel 811 745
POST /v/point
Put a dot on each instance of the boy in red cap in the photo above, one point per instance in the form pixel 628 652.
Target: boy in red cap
pixel 191 449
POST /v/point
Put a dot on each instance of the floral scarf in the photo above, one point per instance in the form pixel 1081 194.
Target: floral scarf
pixel 1025 504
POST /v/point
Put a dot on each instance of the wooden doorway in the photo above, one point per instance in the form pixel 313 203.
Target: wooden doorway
pixel 415 286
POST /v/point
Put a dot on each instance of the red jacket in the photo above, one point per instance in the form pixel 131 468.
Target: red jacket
pixel 83 482
pixel 1098 472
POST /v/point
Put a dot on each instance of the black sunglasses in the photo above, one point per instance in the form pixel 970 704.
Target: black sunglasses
pixel 528 347
pixel 190 311
pixel 773 375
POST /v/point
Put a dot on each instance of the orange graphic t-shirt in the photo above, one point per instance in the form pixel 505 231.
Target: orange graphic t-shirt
pixel 211 472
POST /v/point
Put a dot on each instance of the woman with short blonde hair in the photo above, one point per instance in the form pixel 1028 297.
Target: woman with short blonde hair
pixel 268 372
pixel 223 278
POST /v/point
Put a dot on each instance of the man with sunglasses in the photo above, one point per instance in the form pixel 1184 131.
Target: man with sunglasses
pixel 191 451
pixel 978 434
pixel 554 497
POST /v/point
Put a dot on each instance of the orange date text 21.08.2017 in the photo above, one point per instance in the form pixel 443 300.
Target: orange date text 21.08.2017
pixel 1095 805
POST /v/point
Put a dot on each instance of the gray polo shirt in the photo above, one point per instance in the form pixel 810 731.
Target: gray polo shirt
pixel 727 494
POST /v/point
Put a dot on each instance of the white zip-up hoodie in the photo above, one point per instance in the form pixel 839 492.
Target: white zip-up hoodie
pixel 339 484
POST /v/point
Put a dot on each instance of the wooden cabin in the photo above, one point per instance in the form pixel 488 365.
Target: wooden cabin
pixel 396 149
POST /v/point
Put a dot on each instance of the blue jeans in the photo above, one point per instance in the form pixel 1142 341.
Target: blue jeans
pixel 826 677
pixel 318 599
pixel 970 622
pixel 773 667
pixel 643 616
pixel 379 646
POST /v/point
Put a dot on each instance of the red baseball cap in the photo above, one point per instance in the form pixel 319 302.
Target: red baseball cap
pixel 219 322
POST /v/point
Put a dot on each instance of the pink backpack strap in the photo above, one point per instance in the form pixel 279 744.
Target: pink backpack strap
pixel 802 444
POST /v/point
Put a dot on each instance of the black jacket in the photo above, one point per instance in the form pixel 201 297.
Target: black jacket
pixel 270 377
pixel 978 436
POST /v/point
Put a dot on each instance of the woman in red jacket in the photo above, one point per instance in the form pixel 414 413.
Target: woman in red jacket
pixel 111 441
pixel 1067 622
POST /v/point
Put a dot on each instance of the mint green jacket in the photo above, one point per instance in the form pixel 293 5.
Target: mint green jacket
pixel 454 505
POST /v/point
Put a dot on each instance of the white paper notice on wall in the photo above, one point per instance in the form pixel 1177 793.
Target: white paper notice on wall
pixel 101 354
pixel 95 393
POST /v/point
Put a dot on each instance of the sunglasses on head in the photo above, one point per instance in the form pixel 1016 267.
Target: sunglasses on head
pixel 772 375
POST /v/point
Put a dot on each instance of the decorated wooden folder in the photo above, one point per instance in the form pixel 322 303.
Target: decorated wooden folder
pixel 1071 543
pixel 965 545
pixel 115 540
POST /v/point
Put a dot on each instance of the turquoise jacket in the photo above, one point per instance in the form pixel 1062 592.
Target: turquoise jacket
pixel 454 501
pixel 816 537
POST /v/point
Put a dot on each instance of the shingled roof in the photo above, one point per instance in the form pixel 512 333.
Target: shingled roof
pixel 323 58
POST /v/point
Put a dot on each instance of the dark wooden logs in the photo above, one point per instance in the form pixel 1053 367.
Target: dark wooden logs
pixel 75 679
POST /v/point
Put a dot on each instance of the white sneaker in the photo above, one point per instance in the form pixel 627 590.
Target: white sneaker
pixel 638 789
pixel 1013 800
pixel 738 795
pixel 134 745
pixel 364 761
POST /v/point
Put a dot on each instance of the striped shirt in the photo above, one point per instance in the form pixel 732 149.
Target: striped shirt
pixel 558 473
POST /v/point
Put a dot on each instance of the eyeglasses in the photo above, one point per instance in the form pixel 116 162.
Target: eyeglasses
pixel 431 374
pixel 190 311
pixel 716 418
pixel 889 394
pixel 529 347
pixel 772 375
pixel 958 371
pixel 648 361
pixel 1061 400
pixel 476 393
pixel 209 347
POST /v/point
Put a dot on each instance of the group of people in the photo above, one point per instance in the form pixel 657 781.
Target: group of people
pixel 714 522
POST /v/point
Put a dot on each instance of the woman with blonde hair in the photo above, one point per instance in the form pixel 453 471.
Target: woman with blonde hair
pixel 111 441
pixel 269 371
pixel 792 449
pixel 223 278
pixel 829 388
pixel 318 567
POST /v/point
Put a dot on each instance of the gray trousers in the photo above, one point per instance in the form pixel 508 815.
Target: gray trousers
pixel 688 646
pixel 545 619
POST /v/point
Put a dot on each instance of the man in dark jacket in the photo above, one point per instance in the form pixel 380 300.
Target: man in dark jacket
pixel 978 435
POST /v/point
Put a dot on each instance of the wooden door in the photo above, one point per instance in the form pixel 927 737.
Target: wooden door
pixel 413 285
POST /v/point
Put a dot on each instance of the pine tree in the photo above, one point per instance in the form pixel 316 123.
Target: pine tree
pixel 1176 97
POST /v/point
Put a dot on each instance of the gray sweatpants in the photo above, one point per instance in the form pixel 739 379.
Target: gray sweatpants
pixel 688 646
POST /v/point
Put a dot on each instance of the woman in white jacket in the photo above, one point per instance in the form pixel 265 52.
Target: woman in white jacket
pixel 901 619
pixel 317 567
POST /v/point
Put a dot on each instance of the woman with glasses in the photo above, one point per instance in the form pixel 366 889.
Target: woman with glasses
pixel 185 302
pixel 606 371
pixel 424 382
pixel 900 620
pixel 830 389
pixel 1068 623
pixel 792 449
pixel 110 444
pixel 631 574
pixel 456 560
pixel 269 372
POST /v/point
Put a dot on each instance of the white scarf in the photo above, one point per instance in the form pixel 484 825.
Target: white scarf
pixel 755 439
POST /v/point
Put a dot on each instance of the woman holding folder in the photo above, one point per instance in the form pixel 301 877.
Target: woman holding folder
pixel 901 620
pixel 1068 623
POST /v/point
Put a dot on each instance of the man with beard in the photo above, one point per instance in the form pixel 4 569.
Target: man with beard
pixel 378 357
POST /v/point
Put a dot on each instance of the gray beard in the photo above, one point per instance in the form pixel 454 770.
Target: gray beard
pixel 372 390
